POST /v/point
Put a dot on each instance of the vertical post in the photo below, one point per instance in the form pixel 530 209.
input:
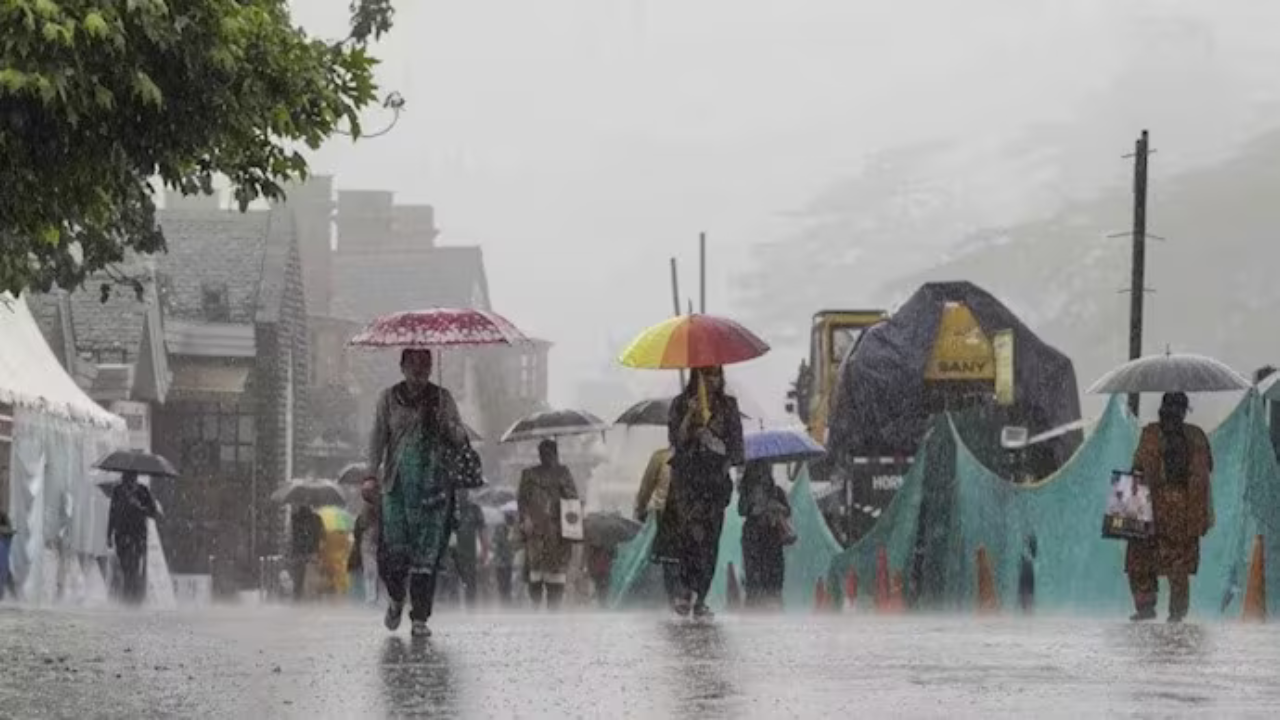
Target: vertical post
pixel 675 302
pixel 1138 281
pixel 702 273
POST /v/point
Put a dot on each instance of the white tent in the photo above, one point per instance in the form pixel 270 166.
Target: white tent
pixel 57 511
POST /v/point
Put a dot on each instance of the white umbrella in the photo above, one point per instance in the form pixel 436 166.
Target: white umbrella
pixel 1170 372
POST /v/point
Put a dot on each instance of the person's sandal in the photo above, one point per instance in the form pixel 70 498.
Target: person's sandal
pixel 394 611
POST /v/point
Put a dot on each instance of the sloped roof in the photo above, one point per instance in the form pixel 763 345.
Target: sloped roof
pixel 365 286
pixel 245 252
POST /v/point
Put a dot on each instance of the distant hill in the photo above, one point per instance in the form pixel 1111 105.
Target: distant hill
pixel 1216 278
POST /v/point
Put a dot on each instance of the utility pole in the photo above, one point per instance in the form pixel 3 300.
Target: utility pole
pixel 1137 286
pixel 675 302
pixel 702 273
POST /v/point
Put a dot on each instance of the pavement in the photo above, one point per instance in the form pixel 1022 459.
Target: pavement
pixel 338 662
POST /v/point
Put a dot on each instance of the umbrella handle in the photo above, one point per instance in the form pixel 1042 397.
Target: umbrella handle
pixel 703 403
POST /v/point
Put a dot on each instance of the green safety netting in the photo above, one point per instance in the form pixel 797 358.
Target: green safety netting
pixel 635 581
pixel 896 530
pixel 808 559
pixel 950 505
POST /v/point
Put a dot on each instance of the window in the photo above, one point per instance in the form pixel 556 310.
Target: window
pixel 214 302
pixel 217 439
pixel 528 376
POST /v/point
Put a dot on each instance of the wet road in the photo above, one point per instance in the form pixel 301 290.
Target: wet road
pixel 338 663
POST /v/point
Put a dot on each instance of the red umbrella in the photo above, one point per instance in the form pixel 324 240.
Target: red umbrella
pixel 439 327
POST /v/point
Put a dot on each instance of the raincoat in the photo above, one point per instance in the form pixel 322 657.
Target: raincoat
pixel 547 553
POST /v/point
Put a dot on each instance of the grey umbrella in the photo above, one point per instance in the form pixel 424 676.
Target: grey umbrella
pixel 315 493
pixel 554 424
pixel 137 461
pixel 1170 372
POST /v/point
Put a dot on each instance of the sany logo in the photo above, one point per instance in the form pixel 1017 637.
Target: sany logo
pixel 886 482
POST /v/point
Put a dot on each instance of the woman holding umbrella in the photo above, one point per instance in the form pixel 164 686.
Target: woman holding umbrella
pixel 765 532
pixel 415 419
pixel 705 433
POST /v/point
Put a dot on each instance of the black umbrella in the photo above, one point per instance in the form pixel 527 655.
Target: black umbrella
pixel 137 461
pixel 655 411
pixel 554 424
pixel 646 412
pixel 353 474
pixel 601 529
pixel 315 493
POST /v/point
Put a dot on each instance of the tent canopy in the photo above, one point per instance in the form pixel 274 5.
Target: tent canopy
pixel 30 375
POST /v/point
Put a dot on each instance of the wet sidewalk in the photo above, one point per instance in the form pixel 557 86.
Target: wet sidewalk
pixel 340 663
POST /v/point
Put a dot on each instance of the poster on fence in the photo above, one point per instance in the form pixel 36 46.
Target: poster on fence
pixel 1129 515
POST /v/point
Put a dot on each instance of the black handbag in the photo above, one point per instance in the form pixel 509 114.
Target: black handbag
pixel 461 466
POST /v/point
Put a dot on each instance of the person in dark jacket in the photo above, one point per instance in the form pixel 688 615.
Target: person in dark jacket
pixel 471 550
pixel 132 505
pixel 765 533
pixel 306 530
pixel 504 555
pixel 705 433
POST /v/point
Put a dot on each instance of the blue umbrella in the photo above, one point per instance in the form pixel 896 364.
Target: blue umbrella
pixel 781 446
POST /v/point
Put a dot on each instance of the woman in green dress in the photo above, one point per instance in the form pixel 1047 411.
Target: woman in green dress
pixel 415 419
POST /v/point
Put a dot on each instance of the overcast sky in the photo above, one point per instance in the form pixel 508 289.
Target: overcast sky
pixel 583 142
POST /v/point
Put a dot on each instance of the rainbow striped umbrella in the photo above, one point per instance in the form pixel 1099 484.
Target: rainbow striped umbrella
pixel 693 341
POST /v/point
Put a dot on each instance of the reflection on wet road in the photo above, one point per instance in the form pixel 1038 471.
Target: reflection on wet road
pixel 339 663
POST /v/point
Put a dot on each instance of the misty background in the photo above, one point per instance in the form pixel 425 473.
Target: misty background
pixel 837 154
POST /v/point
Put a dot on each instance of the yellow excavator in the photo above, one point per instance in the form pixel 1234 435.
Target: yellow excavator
pixel 832 335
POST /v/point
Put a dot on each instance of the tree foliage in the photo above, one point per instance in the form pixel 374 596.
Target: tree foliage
pixel 98 97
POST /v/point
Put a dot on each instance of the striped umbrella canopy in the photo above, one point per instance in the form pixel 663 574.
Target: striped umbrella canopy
pixel 693 341
pixel 554 424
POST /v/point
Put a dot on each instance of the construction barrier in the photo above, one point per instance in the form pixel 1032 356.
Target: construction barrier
pixel 1255 593
pixel 988 601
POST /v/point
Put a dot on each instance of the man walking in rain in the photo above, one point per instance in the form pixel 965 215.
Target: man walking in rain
pixel 547 553
pixel 131 506
pixel 1175 461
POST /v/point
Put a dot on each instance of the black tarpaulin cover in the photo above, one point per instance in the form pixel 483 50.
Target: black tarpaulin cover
pixel 880 405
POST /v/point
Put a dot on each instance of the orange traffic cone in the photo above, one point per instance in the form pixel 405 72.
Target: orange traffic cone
pixel 850 589
pixel 882 579
pixel 987 600
pixel 733 592
pixel 1255 591
pixel 821 601
pixel 897 603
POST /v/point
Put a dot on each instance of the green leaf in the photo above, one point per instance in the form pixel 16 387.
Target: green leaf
pixel 146 89
pixel 13 80
pixel 95 26
pixel 50 235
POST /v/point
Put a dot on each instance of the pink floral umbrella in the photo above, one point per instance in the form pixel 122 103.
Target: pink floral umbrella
pixel 439 328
